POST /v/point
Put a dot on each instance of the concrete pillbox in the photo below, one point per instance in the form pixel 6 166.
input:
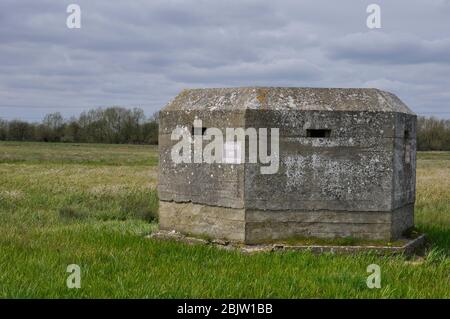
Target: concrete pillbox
pixel 346 166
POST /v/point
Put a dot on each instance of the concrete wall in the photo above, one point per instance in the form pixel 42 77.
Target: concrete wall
pixel 404 161
pixel 273 225
pixel 258 226
pixel 351 170
pixel 204 220
pixel 211 184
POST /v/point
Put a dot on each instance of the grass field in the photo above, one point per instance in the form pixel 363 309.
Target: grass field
pixel 91 205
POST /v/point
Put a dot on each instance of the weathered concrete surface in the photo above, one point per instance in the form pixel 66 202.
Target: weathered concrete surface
pixel 406 247
pixel 204 220
pixel 359 181
pixel 256 226
pixel 279 98
pixel 350 170
pixel 276 225
pixel 213 184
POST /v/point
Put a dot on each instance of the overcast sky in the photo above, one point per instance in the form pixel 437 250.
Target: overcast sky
pixel 142 53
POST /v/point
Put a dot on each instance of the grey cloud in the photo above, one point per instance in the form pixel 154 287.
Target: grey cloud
pixel 142 53
pixel 248 74
pixel 390 48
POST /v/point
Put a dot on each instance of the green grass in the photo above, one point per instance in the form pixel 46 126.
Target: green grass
pixel 432 210
pixel 92 205
pixel 84 154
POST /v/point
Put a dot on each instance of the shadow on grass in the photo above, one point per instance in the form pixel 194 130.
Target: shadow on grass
pixel 438 237
pixel 145 208
pixel 141 206
pixel 68 213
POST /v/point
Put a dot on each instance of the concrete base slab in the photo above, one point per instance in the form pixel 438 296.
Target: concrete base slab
pixel 407 247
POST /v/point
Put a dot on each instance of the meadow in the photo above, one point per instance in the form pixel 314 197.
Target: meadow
pixel 93 205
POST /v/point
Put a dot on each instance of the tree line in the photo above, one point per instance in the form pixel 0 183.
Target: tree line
pixel 118 125
pixel 114 125
pixel 433 134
